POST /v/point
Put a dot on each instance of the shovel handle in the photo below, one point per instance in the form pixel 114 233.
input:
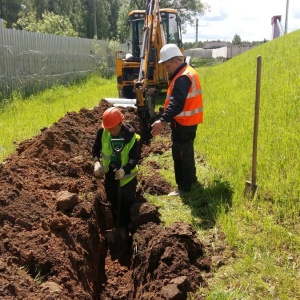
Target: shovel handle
pixel 118 203
pixel 117 146
pixel 256 118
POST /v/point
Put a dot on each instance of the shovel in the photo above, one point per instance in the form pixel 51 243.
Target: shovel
pixel 112 234
pixel 251 187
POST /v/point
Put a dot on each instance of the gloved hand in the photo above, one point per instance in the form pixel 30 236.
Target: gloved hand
pixel 98 170
pixel 120 173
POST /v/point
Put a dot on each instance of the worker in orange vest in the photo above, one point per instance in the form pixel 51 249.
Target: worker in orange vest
pixel 183 111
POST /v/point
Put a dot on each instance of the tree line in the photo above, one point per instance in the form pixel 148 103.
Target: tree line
pixel 236 41
pixel 103 19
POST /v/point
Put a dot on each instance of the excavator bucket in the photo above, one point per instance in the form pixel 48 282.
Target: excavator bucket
pixel 123 102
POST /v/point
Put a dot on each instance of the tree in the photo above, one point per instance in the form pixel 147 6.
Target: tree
pixel 190 45
pixel 76 14
pixel 122 23
pixel 9 10
pixel 106 17
pixel 236 40
pixel 104 12
pixel 50 23
pixel 74 10
pixel 187 9
pixel 114 11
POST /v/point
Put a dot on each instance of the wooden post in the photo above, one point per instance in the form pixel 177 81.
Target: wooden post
pixel 251 186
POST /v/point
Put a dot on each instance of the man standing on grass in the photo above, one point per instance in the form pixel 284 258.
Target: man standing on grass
pixel 183 110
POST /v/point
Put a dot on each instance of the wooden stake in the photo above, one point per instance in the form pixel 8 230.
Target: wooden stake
pixel 251 186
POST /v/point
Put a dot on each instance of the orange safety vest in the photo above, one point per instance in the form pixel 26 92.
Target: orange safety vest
pixel 192 112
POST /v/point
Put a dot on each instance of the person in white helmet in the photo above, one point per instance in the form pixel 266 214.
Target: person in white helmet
pixel 128 57
pixel 183 110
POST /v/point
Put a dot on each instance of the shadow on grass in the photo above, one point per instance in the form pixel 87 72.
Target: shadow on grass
pixel 207 203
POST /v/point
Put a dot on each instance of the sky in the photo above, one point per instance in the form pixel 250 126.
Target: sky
pixel 250 19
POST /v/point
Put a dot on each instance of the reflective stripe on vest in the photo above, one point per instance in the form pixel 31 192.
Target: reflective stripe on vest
pixel 192 112
pixel 107 152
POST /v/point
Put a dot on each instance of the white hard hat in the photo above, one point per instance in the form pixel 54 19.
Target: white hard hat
pixel 128 55
pixel 169 51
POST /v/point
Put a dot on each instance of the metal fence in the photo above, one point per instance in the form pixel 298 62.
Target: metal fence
pixel 33 61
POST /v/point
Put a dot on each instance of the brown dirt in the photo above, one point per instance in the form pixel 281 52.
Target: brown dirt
pixel 53 222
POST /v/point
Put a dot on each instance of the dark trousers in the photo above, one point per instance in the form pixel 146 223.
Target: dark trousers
pixel 127 197
pixel 184 163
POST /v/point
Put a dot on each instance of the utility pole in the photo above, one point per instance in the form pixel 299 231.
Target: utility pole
pixel 286 16
pixel 95 20
pixel 196 30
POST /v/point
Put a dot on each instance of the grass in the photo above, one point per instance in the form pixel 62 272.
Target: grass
pixel 36 272
pixel 262 234
pixel 22 119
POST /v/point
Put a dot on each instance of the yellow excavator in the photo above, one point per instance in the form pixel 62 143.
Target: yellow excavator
pixel 139 76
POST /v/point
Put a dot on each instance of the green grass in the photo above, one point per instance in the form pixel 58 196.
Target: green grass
pixel 21 119
pixel 262 234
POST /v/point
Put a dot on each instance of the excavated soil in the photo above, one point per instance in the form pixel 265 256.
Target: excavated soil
pixel 54 217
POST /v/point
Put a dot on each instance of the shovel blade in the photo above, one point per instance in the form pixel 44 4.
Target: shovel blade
pixel 117 242
pixel 112 240
pixel 250 189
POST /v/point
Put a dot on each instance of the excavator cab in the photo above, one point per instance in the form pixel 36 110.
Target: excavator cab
pixel 171 26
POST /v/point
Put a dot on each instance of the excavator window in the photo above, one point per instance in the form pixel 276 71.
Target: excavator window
pixel 137 36
pixel 171 28
pixel 171 25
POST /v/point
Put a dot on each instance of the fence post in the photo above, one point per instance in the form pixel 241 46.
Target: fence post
pixel 1 28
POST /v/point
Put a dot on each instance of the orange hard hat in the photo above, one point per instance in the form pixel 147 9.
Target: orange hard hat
pixel 112 117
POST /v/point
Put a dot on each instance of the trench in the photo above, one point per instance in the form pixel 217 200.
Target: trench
pixel 53 224
pixel 161 263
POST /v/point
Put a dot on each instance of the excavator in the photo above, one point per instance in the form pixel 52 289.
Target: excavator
pixel 139 76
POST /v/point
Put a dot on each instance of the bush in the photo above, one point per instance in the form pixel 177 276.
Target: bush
pixel 204 62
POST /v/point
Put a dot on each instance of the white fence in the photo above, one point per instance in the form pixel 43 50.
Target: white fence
pixel 199 52
pixel 224 52
pixel 31 60
pixel 230 51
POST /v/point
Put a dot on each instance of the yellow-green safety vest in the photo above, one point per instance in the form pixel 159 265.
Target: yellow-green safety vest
pixel 107 152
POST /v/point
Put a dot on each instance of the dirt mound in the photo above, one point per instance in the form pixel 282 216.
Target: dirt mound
pixel 53 225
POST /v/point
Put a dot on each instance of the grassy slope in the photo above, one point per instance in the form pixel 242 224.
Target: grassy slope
pixel 229 93
pixel 23 118
pixel 263 232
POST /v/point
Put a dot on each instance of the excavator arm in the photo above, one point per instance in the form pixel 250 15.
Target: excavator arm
pixel 153 40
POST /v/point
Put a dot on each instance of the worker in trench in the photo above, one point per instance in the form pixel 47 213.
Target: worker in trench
pixel 116 140
pixel 183 111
